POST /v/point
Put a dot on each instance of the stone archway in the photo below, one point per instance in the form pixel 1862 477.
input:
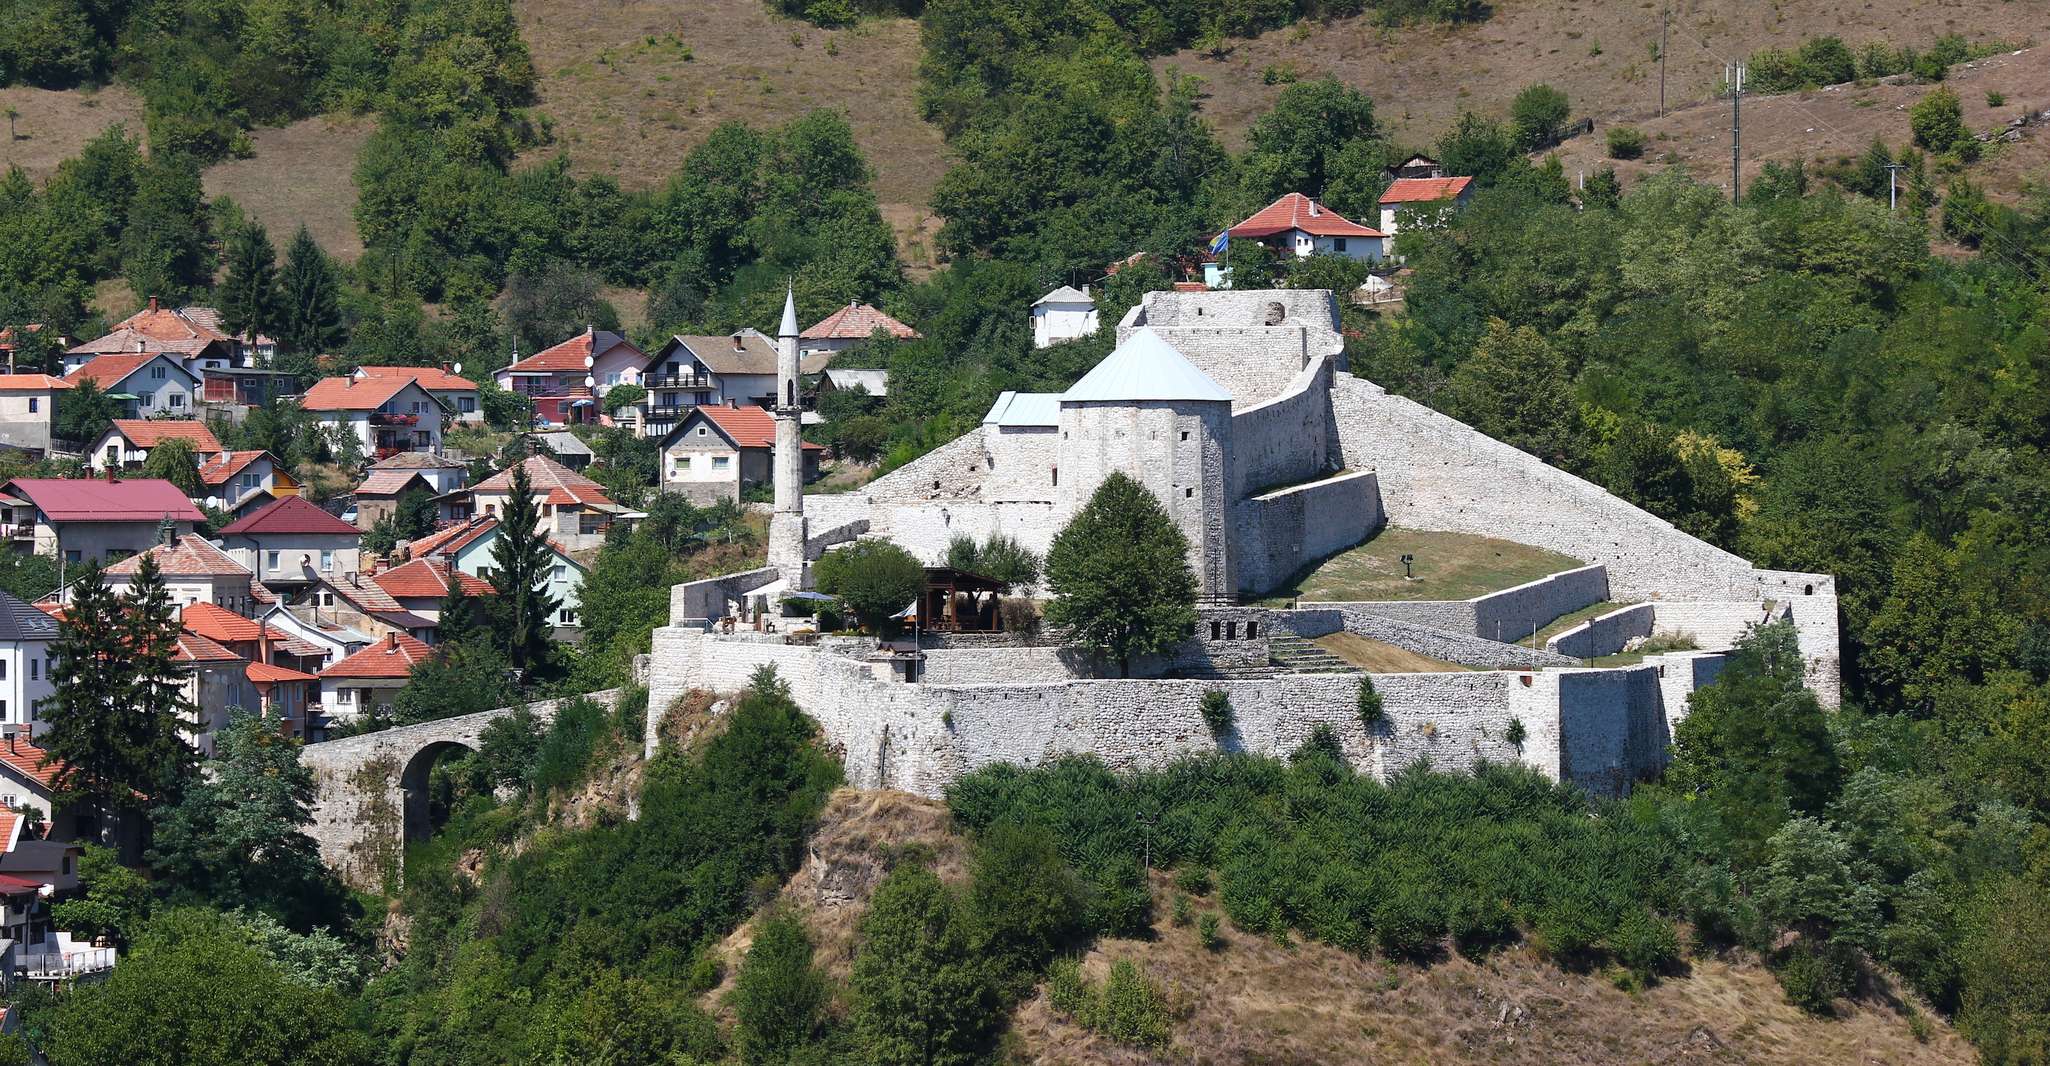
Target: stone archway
pixel 413 785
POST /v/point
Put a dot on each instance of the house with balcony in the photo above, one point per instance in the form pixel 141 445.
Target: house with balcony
pixel 301 622
pixel 241 482
pixel 93 519
pixel 128 442
pixel 445 383
pixel 709 371
pixel 566 380
pixel 353 603
pixel 367 681
pixel 279 667
pixel 387 415
pixel 144 385
pixel 28 410
pixel 195 342
pixel 291 542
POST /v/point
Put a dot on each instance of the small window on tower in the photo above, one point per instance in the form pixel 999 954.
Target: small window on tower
pixel 1188 494
pixel 1185 435
pixel 1056 476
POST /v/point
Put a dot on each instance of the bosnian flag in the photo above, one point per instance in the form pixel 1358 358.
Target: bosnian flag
pixel 1217 246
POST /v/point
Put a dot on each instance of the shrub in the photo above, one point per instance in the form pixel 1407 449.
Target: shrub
pixel 1195 880
pixel 1537 116
pixel 1479 924
pixel 1372 712
pixel 1813 975
pixel 1995 99
pixel 1207 934
pixel 1019 615
pixel 1644 943
pixel 1217 711
pixel 1131 1010
pixel 1067 990
pixel 1938 121
pixel 1182 915
pixel 1625 142
pixel 1517 734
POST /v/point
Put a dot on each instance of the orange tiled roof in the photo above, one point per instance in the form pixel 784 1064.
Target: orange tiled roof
pixel 857 321
pixel 423 578
pixel 746 425
pixel 431 378
pixel 32 381
pixel 150 432
pixel 109 371
pixel 1424 190
pixel 392 657
pixel 1295 211
pixel 352 394
pixel 265 672
pixel 452 539
pixel 577 353
pixel 193 648
pixel 164 323
pixel 190 556
pixel 558 483
pixel 221 468
pixel 27 759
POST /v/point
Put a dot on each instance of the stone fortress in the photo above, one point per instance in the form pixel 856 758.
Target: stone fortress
pixel 1237 410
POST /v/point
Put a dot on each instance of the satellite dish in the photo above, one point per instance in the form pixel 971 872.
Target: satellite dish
pixel 589 362
pixel 589 381
pixel 456 369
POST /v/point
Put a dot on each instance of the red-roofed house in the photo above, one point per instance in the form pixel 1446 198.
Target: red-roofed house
pixel 194 343
pixel 144 383
pixel 194 572
pixel 717 452
pixel 849 326
pixel 468 548
pixel 90 519
pixel 1298 226
pixel 1425 198
pixel 367 680
pixel 421 585
pixel 239 481
pixel 566 379
pixel 290 542
pixel 574 509
pixel 353 602
pixel 27 782
pixel 444 383
pixel 128 441
pixel 28 408
pixel 388 415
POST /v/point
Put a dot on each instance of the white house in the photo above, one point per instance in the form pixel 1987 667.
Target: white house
pixel 467 548
pixel 128 442
pixel 1437 197
pixel 194 571
pixel 369 679
pixel 388 415
pixel 25 636
pixel 85 520
pixel 335 641
pixel 707 371
pixel 720 451
pixel 445 383
pixel 849 326
pixel 1065 314
pixel 234 480
pixel 573 508
pixel 145 384
pixel 1298 226
pixel 193 341
pixel 291 542
pixel 28 409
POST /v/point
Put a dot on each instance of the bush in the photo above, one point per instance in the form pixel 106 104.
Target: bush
pixel 1995 99
pixel 1131 1010
pixel 1537 116
pixel 1814 975
pixel 1625 142
pixel 1181 913
pixel 1373 713
pixel 1217 712
pixel 1938 120
pixel 873 579
pixel 1195 880
pixel 1517 734
pixel 1644 943
pixel 1207 933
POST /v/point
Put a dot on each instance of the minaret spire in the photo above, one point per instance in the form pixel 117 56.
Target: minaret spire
pixel 787 525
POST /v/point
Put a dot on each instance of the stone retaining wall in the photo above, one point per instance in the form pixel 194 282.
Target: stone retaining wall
pixel 1604 634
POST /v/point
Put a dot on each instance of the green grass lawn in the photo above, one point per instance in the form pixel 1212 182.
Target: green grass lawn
pixel 1567 621
pixel 1447 566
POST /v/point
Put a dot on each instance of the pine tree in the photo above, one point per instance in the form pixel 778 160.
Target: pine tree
pixel 249 293
pixel 521 560
pixel 149 631
pixel 309 320
pixel 91 736
pixel 1120 575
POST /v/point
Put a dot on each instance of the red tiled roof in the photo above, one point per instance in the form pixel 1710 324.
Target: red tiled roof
pixel 453 539
pixel 222 467
pixel 390 482
pixel 360 590
pixel 22 754
pixel 577 353
pixel 290 514
pixel 746 425
pixel 150 432
pixel 425 578
pixel 215 622
pixel 1298 212
pixel 99 500
pixel 163 323
pixel 265 672
pixel 857 321
pixel 193 648
pixel 352 394
pixel 431 378
pixel 1424 190
pixel 11 885
pixel 190 556
pixel 558 483
pixel 10 823
pixel 417 461
pixel 391 657
pixel 32 381
pixel 109 371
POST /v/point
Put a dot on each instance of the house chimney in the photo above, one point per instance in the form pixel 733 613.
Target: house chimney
pixel 391 640
pixel 152 303
pixel 110 473
pixel 263 652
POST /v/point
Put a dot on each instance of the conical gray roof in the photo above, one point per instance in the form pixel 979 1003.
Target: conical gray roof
pixel 1145 368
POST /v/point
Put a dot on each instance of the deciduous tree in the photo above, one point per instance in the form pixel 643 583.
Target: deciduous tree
pixel 1120 575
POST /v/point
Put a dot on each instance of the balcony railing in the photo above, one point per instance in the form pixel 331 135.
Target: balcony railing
pixel 39 964
pixel 679 381
pixel 385 451
pixel 21 531
pixel 392 418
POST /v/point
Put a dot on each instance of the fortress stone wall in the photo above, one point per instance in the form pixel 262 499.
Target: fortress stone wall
pixel 1508 615
pixel 1279 533
pixel 1605 634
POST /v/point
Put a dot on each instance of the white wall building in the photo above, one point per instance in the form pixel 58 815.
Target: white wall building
pixel 1065 314
pixel 25 636
pixel 28 409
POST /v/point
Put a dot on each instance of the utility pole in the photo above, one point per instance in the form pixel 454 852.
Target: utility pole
pixel 1893 194
pixel 1663 15
pixel 1734 72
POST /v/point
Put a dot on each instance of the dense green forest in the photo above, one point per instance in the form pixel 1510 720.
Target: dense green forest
pixel 1797 377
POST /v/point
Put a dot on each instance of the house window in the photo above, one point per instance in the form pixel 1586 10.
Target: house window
pixel 35 669
pixel 566 617
pixel 701 431
pixel 177 399
pixel 73 555
pixel 419 408
pixel 33 405
pixel 1338 244
pixel 249 481
pixel 327 559
pixel 721 462
pixel 702 398
pixel 466 404
pixel 157 372
pixel 1056 477
pixel 683 463
pixel 558 571
pixel 3 669
pixel 270 560
pixel 343 695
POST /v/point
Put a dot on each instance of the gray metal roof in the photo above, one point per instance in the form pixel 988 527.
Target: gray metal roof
pixel 1015 410
pixel 563 442
pixel 1066 294
pixel 873 382
pixel 1144 368
pixel 19 621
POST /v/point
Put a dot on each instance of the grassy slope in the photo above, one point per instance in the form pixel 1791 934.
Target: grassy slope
pixel 1256 1001
pixel 301 174
pixel 53 126
pixel 1447 566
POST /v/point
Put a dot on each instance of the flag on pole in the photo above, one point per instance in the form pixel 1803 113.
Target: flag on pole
pixel 1222 241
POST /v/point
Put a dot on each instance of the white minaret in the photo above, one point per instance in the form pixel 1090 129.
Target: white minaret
pixel 786 525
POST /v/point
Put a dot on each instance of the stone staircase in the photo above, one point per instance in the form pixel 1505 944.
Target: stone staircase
pixel 1295 655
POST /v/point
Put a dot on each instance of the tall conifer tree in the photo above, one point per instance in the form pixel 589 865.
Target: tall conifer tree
pixel 249 293
pixel 309 313
pixel 521 559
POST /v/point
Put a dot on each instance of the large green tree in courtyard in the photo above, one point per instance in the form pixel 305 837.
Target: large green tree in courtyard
pixel 1120 575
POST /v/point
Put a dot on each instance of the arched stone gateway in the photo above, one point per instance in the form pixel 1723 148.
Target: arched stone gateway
pixel 371 791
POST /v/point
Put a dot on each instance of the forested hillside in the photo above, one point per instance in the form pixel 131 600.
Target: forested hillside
pixel 1806 377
